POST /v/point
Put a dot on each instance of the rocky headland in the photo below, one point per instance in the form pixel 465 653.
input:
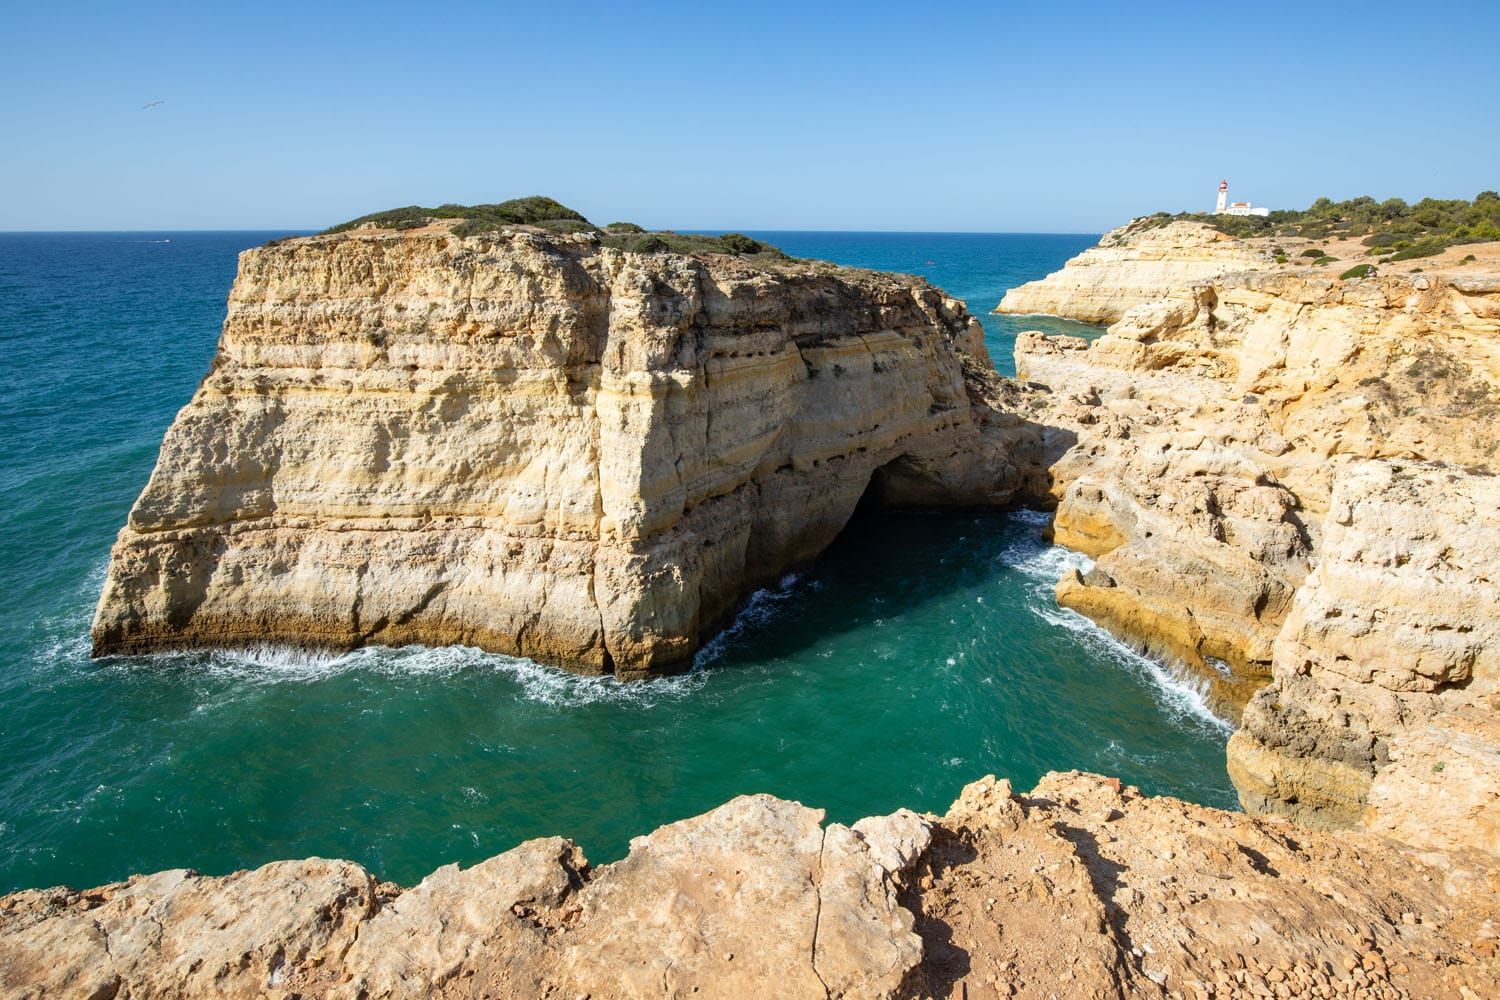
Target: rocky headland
pixel 1286 478
pixel 538 443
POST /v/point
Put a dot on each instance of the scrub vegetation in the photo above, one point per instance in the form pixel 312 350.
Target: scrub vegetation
pixel 553 216
pixel 1393 227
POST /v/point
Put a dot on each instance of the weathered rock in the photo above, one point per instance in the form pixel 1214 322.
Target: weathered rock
pixel 537 445
pixel 1131 266
pixel 1082 887
pixel 1217 424
pixel 178 934
pixel 1397 627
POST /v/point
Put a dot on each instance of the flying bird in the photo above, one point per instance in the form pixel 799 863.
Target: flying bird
pixel 152 104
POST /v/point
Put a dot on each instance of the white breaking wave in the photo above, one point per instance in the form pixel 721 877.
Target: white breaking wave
pixel 758 611
pixel 275 664
pixel 1182 692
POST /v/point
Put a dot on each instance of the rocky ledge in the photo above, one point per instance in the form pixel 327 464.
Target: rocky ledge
pixel 1286 481
pixel 1080 888
pixel 537 444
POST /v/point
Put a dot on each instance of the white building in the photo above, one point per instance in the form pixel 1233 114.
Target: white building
pixel 1235 207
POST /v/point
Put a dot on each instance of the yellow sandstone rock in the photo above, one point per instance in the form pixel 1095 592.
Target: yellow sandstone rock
pixel 1285 476
pixel 537 445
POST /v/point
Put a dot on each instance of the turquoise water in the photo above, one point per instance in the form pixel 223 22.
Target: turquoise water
pixel 922 652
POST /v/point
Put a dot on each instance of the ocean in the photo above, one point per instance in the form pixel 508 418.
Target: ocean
pixel 920 653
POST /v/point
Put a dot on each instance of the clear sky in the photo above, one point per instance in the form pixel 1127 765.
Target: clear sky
pixel 994 116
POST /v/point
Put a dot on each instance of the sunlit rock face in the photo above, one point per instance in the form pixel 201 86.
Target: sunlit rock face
pixel 1285 479
pixel 1134 265
pixel 537 445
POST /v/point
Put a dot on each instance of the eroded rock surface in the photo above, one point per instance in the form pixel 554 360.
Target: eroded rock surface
pixel 1079 888
pixel 1394 633
pixel 1132 265
pixel 1284 474
pixel 538 445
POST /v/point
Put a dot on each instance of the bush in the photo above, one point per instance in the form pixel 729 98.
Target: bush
pixel 740 243
pixel 1313 253
pixel 650 244
pixel 554 217
pixel 1468 259
pixel 1325 259
pixel 1442 222
pixel 1358 271
pixel 477 218
pixel 1424 249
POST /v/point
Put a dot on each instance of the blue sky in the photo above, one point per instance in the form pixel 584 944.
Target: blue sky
pixel 985 117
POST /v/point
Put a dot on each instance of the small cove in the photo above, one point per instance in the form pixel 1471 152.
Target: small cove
pixel 921 652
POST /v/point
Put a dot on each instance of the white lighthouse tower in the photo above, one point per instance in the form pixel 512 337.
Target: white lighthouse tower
pixel 1223 197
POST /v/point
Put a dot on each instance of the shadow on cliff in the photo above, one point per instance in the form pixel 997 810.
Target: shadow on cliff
pixel 885 565
pixel 944 962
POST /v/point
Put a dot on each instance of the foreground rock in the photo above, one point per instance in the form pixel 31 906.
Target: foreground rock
pixel 1286 475
pixel 535 444
pixel 1080 888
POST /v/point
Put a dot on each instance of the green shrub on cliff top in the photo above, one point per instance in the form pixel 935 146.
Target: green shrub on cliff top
pixel 1431 222
pixel 553 216
pixel 533 211
pixel 1358 271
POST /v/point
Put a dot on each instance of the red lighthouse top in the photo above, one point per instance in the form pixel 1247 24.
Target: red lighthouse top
pixel 1223 185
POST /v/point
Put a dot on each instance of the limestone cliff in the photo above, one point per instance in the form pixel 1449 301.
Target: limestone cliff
pixel 536 444
pixel 1133 265
pixel 1387 669
pixel 1198 448
pixel 1081 888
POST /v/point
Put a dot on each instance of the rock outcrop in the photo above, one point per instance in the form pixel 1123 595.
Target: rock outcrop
pixel 1081 888
pixel 1281 474
pixel 1388 665
pixel 1131 266
pixel 538 445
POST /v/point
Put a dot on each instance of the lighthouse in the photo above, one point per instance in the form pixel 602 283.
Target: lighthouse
pixel 1236 207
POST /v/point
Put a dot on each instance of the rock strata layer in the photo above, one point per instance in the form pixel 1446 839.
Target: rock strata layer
pixel 1080 888
pixel 1133 265
pixel 1284 476
pixel 537 445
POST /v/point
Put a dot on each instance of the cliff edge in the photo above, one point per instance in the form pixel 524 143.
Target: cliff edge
pixel 540 444
pixel 1079 888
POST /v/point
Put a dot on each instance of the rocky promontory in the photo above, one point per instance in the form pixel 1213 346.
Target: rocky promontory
pixel 540 443
pixel 1133 265
pixel 1080 888
pixel 1286 478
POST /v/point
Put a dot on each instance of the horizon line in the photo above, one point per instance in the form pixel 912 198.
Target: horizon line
pixel 699 230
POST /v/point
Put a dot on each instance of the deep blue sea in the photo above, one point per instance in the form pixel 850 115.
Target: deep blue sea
pixel 920 653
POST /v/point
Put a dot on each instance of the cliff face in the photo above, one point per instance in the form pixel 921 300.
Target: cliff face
pixel 1387 669
pixel 537 445
pixel 1211 432
pixel 1133 265
pixel 1081 888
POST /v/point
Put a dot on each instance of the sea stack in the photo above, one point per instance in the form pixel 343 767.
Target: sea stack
pixel 538 443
